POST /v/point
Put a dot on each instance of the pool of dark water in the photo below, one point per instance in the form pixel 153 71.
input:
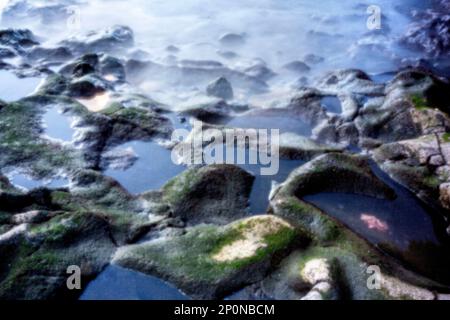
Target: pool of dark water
pixel 117 283
pixel 259 197
pixel 404 228
pixel 153 168
pixel 263 183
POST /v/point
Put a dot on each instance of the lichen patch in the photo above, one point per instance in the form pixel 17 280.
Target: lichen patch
pixel 253 234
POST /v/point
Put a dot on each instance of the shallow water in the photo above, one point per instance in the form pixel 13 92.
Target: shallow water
pixel 259 197
pixel 152 170
pixel 403 227
pixel 262 185
pixel 57 125
pixel 116 283
pixel 332 104
pixel 13 88
pixel 25 182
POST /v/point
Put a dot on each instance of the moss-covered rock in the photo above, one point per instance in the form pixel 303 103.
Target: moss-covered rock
pixel 336 172
pixel 421 165
pixel 216 193
pixel 22 144
pixel 209 261
pixel 347 253
pixel 35 266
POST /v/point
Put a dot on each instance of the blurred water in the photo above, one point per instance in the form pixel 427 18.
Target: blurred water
pixel 276 32
pixel 116 283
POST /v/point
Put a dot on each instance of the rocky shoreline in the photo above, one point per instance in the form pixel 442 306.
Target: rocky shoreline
pixel 197 230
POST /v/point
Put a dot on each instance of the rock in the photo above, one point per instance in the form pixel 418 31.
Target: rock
pixel 349 81
pixel 88 62
pixel 23 11
pixel 18 39
pixel 6 53
pixel 398 289
pixel 420 164
pixel 36 268
pixel 220 88
pixel 297 66
pixel 430 34
pixel 313 59
pixel 85 87
pixel 260 71
pixel 28 149
pixel 13 236
pixel 246 246
pixel 33 217
pixel 215 112
pixel 172 48
pixel 316 271
pixel 50 55
pixel 409 106
pixel 293 146
pixel 232 40
pixel 211 194
pixel 112 40
pixel 128 124
pixel 313 295
pixel 227 54
pixel 111 67
pixel 140 71
pixel 336 172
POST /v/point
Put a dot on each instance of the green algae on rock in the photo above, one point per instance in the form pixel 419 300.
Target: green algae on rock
pixel 207 261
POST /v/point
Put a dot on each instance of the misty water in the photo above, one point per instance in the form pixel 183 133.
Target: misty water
pixel 277 119
pixel 274 33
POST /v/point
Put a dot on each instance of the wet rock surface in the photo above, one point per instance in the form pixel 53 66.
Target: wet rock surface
pixel 211 261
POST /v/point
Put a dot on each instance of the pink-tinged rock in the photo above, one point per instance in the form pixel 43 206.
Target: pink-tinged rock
pixel 436 160
pixel 374 223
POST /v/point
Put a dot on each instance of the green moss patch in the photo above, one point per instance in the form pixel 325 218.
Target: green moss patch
pixel 419 102
pixel 191 256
